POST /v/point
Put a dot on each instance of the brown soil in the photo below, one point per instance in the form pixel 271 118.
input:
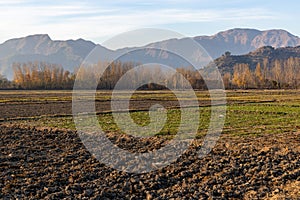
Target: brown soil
pixel 50 163
pixel 33 104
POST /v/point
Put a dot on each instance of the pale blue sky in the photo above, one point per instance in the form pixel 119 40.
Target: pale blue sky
pixel 100 20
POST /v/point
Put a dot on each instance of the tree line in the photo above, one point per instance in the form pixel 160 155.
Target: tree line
pixel 45 76
pixel 151 77
pixel 278 74
pixel 41 76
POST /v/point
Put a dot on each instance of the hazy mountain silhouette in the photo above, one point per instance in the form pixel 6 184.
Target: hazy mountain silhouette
pixel 242 41
pixel 71 53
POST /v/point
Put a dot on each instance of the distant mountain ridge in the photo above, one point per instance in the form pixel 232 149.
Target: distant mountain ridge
pixel 71 53
pixel 242 41
pixel 226 63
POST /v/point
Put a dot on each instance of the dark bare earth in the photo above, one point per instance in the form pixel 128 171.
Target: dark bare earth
pixel 18 105
pixel 54 164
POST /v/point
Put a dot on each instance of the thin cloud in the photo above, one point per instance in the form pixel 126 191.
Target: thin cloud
pixel 75 19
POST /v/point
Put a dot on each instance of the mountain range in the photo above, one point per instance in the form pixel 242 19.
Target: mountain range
pixel 226 63
pixel 71 53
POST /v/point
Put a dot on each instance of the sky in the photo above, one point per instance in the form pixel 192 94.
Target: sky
pixel 99 20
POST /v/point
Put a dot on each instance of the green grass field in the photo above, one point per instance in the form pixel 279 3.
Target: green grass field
pixel 248 112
